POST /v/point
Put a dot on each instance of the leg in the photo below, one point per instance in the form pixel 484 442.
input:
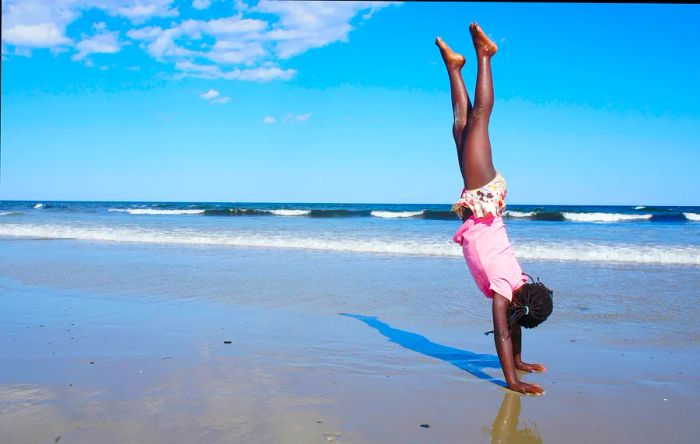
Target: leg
pixel 461 106
pixel 477 165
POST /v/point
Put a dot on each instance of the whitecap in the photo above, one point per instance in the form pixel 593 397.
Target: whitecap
pixel 395 214
pixel 604 217
pixel 152 211
pixel 290 212
pixel 557 251
pixel 511 213
pixel 692 216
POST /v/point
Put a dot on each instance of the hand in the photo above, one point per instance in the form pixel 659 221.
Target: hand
pixel 525 367
pixel 526 389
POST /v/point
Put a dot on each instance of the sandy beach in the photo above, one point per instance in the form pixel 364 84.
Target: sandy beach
pixel 260 221
pixel 130 344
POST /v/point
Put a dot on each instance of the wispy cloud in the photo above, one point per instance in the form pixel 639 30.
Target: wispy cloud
pixel 291 117
pixel 269 120
pixel 201 4
pixel 302 26
pixel 103 41
pixel 38 35
pixel 214 96
pixel 249 45
pixel 42 23
pixel 209 95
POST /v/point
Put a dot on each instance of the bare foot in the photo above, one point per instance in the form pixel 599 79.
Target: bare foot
pixel 526 389
pixel 525 367
pixel 451 58
pixel 483 45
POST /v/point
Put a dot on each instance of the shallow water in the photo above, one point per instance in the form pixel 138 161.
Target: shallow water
pixel 659 235
pixel 614 303
pixel 151 310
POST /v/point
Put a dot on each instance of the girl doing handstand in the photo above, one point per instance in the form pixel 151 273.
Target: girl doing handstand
pixel 482 235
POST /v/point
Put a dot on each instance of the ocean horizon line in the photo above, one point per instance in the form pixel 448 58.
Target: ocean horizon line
pixel 250 202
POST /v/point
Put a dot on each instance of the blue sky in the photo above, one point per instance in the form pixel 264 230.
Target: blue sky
pixel 345 102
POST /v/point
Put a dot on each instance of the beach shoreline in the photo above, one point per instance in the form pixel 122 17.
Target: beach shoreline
pixel 298 371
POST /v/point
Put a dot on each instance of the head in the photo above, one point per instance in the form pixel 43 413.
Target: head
pixel 532 304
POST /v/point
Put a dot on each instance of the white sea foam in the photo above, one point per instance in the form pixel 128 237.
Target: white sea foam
pixel 290 212
pixel 152 211
pixel 395 214
pixel 639 207
pixel 9 213
pixel 692 216
pixel 589 252
pixel 511 213
pixel 38 206
pixel 604 217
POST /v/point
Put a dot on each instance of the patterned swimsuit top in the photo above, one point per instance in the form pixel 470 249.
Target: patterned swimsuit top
pixel 487 200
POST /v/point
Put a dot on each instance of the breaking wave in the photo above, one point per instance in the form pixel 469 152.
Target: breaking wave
pixel 510 213
pixel 153 211
pixel 563 251
pixel 395 214
pixel 604 217
pixel 290 212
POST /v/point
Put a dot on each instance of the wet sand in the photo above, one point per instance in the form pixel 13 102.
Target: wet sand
pixel 112 351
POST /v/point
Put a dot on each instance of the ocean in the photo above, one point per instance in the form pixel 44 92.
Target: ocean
pixel 221 322
pixel 596 234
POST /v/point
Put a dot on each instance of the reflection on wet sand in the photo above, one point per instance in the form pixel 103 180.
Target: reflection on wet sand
pixel 504 429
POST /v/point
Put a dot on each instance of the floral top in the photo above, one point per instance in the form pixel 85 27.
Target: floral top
pixel 487 200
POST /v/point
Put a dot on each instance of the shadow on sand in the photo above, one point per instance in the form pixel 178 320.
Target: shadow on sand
pixel 470 362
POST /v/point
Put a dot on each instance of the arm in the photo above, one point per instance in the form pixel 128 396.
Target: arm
pixel 504 348
pixel 516 334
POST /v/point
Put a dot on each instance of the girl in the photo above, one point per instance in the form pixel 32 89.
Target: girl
pixel 483 235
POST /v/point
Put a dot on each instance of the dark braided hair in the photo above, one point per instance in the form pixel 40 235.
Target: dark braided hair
pixel 532 304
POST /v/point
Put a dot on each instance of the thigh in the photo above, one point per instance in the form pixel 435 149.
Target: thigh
pixel 477 164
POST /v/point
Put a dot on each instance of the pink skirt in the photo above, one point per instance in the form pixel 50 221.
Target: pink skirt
pixel 489 256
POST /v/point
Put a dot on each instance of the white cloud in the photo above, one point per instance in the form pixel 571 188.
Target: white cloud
pixel 40 35
pixel 104 42
pixel 291 117
pixel 249 45
pixel 42 23
pixel 214 96
pixel 261 74
pixel 209 95
pixel 201 4
pixel 138 11
pixel 305 25
pixel 269 120
pixel 36 23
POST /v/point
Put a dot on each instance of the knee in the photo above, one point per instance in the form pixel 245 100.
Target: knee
pixel 481 112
